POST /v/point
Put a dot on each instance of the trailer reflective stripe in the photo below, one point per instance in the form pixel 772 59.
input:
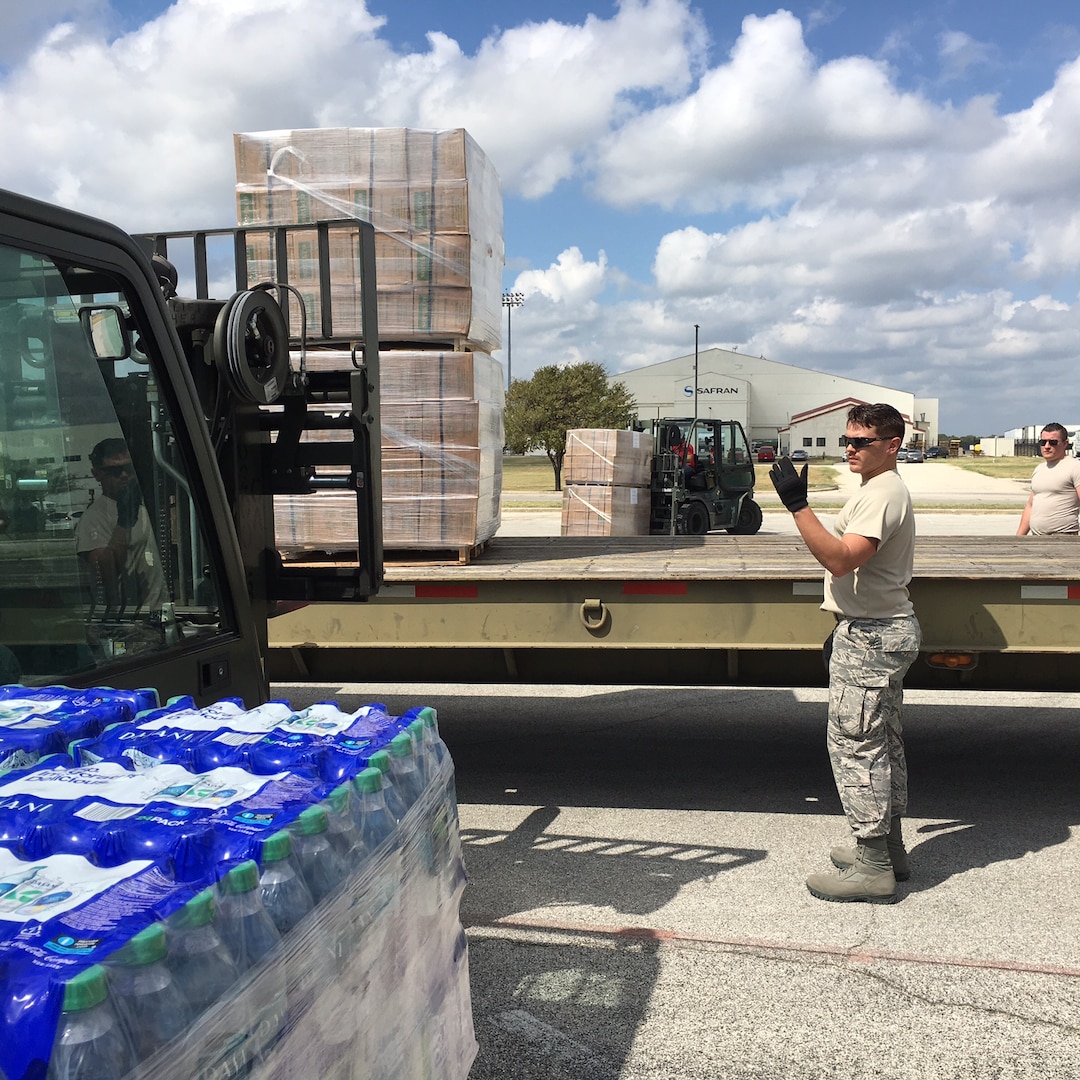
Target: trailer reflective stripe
pixel 654 588
pixel 1050 592
pixel 429 592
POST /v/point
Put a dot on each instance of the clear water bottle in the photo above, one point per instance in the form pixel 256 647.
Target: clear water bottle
pixel 322 865
pixel 395 803
pixel 284 892
pixel 90 1042
pixel 404 768
pixel 148 1000
pixel 373 818
pixel 341 819
pixel 252 1020
pixel 245 926
pixel 438 749
pixel 200 964
pixel 425 764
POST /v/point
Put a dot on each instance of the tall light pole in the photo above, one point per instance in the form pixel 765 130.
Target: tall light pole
pixel 510 300
pixel 696 328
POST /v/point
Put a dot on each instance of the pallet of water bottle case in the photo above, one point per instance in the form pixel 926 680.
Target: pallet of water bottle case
pixel 221 892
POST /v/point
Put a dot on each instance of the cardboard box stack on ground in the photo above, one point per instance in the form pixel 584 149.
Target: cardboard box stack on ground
pixel 606 483
pixel 436 205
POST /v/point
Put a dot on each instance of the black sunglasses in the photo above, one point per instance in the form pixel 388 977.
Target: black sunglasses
pixel 861 442
pixel 117 470
pixel 1048 442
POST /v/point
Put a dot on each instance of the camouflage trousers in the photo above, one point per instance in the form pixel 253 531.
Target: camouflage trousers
pixel 865 737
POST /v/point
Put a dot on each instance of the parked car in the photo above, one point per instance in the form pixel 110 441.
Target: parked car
pixel 901 454
pixel 915 454
pixel 799 455
pixel 766 453
pixel 935 451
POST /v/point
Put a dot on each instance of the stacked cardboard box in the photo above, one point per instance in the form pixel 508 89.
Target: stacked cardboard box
pixel 606 483
pixel 435 202
pixel 442 439
pixel 434 199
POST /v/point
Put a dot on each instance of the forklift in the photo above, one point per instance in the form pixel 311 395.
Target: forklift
pixel 702 479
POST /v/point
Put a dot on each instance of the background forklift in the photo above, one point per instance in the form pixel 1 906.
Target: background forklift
pixel 702 479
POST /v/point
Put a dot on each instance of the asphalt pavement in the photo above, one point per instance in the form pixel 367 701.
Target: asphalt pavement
pixel 636 905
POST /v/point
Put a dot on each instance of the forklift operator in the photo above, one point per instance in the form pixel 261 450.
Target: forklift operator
pixel 115 537
pixel 684 452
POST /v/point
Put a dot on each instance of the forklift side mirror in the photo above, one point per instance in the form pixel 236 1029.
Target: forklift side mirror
pixel 106 330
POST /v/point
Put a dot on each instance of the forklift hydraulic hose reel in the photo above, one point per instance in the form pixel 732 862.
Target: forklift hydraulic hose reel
pixel 251 347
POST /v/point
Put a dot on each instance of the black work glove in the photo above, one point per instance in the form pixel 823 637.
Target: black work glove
pixel 127 504
pixel 790 485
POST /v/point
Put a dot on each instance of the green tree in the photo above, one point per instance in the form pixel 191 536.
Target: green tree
pixel 540 410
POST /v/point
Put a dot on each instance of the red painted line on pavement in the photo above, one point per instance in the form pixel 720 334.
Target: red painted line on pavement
pixel 649 933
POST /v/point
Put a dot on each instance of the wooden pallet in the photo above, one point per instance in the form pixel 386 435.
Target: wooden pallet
pixel 460 556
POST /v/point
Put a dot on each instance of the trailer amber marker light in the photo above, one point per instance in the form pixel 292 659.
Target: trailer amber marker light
pixel 954 661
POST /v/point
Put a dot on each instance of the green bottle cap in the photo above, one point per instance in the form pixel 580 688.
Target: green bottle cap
pixel 369 780
pixel 311 821
pixel 198 911
pixel 86 990
pixel 380 760
pixel 277 847
pixel 339 799
pixel 146 947
pixel 241 879
pixel 429 716
pixel 401 745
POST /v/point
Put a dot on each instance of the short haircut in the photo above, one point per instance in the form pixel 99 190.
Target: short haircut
pixel 108 448
pixel 884 419
pixel 1057 427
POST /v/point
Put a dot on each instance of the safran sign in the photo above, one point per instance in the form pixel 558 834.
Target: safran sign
pixel 689 390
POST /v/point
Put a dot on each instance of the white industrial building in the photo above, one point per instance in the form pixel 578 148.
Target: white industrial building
pixel 794 407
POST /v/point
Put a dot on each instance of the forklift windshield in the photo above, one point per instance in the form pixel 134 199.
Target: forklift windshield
pixel 102 553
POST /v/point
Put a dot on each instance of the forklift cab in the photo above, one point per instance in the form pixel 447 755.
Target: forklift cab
pixel 703 478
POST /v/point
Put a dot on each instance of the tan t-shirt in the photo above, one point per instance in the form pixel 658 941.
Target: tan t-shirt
pixel 880 509
pixel 1054 505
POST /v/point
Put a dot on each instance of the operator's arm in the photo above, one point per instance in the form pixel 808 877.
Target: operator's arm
pixel 108 565
pixel 1025 518
pixel 838 554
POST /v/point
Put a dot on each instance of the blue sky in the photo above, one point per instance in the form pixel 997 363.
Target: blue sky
pixel 886 191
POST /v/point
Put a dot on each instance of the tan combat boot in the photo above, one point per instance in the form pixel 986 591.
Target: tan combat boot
pixel 869 878
pixel 842 857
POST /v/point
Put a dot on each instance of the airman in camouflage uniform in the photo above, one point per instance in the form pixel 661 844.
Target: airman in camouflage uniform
pixel 868 561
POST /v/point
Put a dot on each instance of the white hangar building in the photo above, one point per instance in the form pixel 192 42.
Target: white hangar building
pixel 794 407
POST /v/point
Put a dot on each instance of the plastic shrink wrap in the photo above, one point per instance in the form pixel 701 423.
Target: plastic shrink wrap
pixel 436 204
pixel 442 439
pixel 100 952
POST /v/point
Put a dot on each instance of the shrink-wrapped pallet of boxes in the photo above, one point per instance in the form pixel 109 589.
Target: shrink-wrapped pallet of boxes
pixel 606 483
pixel 607 456
pixel 605 510
pixel 434 199
pixel 442 439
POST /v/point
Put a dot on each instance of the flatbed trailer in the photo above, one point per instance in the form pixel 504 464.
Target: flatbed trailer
pixel 996 612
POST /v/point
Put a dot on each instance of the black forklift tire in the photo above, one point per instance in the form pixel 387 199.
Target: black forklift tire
pixel 693 518
pixel 749 519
